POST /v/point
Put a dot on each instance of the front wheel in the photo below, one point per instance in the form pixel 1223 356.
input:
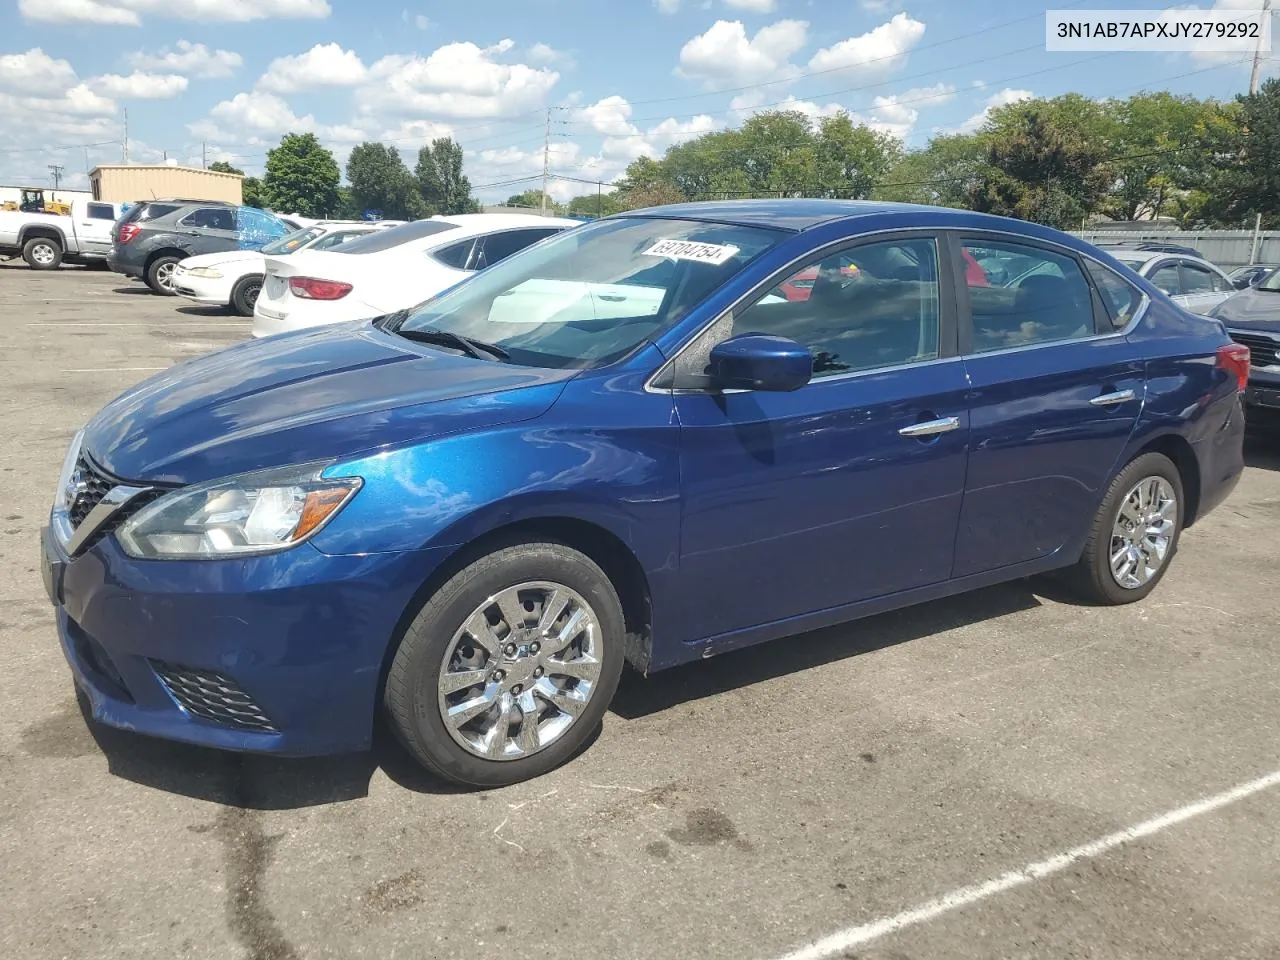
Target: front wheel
pixel 160 276
pixel 245 295
pixel 1135 533
pixel 509 667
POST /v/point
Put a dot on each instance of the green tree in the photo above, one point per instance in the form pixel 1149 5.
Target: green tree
pixel 594 205
pixel 380 181
pixel 443 185
pixel 1243 146
pixel 301 177
pixel 251 187
pixel 941 174
pixel 1040 171
pixel 533 200
pixel 851 159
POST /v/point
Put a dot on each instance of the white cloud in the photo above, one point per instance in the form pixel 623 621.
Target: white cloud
pixel 543 54
pixel 667 6
pixel 254 112
pixel 77 11
pixel 993 102
pixel 753 6
pixel 193 59
pixel 324 65
pixel 724 56
pixel 35 72
pixel 421 22
pixel 881 50
pixel 456 80
pixel 877 6
pixel 130 12
pixel 140 86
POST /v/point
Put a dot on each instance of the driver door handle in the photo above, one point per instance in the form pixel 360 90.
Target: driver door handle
pixel 931 428
pixel 1111 399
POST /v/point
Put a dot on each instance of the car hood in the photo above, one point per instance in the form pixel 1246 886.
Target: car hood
pixel 218 259
pixel 327 392
pixel 1251 309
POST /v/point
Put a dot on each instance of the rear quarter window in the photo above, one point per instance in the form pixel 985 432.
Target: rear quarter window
pixel 1120 299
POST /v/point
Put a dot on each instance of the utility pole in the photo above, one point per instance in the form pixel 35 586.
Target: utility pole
pixel 546 163
pixel 1257 52
pixel 204 154
pixel 599 198
pixel 126 134
pixel 56 169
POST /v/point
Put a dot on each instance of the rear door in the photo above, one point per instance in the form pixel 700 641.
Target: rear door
pixel 94 228
pixel 208 230
pixel 1203 288
pixel 1056 392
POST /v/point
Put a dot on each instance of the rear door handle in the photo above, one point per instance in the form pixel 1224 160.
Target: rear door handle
pixel 1111 399
pixel 931 428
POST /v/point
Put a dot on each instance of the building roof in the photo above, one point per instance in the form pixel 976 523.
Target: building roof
pixel 163 166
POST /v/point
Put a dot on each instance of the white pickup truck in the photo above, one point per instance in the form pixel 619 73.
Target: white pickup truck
pixel 45 240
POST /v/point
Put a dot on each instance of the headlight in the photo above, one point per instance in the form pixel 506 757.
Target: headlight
pixel 65 495
pixel 207 272
pixel 254 513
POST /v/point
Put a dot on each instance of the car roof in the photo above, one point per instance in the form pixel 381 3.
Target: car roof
pixel 484 222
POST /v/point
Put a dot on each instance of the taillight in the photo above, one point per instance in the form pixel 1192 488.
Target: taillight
pixel 1234 358
pixel 309 288
pixel 128 232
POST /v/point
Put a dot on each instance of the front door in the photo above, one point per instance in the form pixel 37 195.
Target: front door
pixel 848 488
pixel 1057 389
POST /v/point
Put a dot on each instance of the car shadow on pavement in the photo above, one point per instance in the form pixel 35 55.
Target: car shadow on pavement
pixel 639 696
pixel 254 781
pixel 138 289
pixel 210 311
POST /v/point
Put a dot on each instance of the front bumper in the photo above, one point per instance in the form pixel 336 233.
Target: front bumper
pixel 202 289
pixel 275 654
pixel 1264 388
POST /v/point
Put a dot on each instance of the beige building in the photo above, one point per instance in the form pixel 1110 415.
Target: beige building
pixel 129 183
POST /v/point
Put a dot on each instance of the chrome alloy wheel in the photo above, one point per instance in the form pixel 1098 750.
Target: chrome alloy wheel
pixel 520 670
pixel 43 254
pixel 1143 532
pixel 164 276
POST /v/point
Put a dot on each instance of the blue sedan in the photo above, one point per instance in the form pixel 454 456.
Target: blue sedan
pixel 638 441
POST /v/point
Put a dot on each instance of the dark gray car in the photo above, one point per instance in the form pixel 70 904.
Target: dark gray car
pixel 148 249
pixel 1252 317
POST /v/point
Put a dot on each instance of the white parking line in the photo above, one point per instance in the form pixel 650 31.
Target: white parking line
pixel 114 369
pixel 838 943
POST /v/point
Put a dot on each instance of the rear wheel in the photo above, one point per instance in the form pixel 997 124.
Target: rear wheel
pixel 1135 533
pixel 508 669
pixel 160 275
pixel 41 253
pixel 245 295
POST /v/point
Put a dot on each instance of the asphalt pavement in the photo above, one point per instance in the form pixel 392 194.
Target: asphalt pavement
pixel 1004 774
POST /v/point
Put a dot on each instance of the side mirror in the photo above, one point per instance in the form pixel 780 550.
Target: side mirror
pixel 754 361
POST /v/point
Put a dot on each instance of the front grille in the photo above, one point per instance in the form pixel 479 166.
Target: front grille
pixel 93 487
pixel 1264 351
pixel 212 696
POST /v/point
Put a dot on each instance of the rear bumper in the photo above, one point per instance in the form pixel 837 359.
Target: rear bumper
pixel 125 267
pixel 1221 458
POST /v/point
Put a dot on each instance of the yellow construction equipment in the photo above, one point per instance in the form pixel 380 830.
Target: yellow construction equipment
pixel 33 201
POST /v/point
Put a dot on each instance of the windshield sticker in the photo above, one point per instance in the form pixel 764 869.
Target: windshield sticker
pixel 712 253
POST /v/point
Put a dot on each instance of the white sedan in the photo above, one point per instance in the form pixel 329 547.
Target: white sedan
pixel 234 277
pixel 392 270
pixel 1194 284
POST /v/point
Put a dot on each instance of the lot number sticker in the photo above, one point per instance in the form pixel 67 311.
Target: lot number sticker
pixel 712 253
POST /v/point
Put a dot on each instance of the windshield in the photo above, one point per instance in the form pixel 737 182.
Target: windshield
pixel 292 241
pixel 390 237
pixel 1271 284
pixel 588 296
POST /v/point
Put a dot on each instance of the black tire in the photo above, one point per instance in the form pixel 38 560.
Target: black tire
pixel 245 294
pixel 411 695
pixel 41 253
pixel 154 271
pixel 1091 577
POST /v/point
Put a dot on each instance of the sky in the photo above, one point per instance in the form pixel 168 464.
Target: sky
pixel 206 80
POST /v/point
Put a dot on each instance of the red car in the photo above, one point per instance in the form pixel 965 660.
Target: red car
pixel 800 285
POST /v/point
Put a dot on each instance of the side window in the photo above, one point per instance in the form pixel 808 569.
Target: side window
pixel 1046 300
pixel 499 246
pixel 102 211
pixel 254 228
pixel 211 218
pixel 1196 279
pixel 336 239
pixel 1221 284
pixel 1120 300
pixel 872 306
pixel 1166 279
pixel 455 255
